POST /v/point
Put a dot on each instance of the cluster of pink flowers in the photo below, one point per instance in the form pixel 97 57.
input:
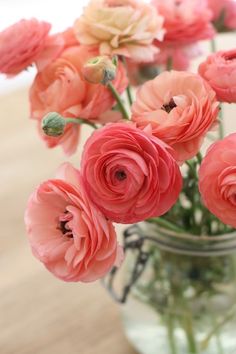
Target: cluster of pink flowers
pixel 130 169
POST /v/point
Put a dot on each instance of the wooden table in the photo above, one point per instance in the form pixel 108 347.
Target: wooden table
pixel 38 313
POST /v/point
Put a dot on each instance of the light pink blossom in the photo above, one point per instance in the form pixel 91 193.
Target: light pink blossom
pixel 185 21
pixel 67 232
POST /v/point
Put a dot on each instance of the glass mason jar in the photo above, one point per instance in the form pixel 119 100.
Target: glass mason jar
pixel 179 292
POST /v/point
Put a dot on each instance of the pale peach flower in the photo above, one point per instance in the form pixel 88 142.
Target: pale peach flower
pixel 180 107
pixel 129 174
pixel 21 44
pixel 219 70
pixel 217 180
pixel 185 21
pixel 61 88
pixel 226 10
pixel 124 27
pixel 67 232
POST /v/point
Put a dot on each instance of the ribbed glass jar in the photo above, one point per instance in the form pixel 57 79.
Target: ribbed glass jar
pixel 184 301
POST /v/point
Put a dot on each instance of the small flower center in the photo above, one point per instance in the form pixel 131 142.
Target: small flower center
pixel 64 226
pixel 230 56
pixel 121 175
pixel 169 106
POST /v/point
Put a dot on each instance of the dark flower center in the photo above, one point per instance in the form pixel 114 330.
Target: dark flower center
pixel 121 175
pixel 169 106
pixel 63 225
pixel 230 56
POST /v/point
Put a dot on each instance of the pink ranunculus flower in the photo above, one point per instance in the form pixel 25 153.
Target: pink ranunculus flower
pixel 54 46
pixel 180 107
pixel 185 21
pixel 225 8
pixel 217 179
pixel 219 70
pixel 67 232
pixel 21 44
pixel 61 88
pixel 126 27
pixel 129 174
pixel 181 56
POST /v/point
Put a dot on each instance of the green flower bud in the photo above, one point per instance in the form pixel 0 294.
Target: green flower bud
pixel 53 124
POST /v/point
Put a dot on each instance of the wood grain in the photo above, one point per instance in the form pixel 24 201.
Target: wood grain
pixel 38 313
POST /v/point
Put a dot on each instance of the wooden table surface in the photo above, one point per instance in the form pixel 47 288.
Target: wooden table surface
pixel 38 313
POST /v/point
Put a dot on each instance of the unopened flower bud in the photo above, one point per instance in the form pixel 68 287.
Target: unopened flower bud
pixel 53 124
pixel 100 70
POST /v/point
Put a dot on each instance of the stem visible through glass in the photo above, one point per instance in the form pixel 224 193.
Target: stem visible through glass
pixel 170 332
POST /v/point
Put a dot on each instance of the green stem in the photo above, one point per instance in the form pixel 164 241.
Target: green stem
pixel 169 64
pixel 199 158
pixel 165 223
pixel 192 346
pixel 129 95
pixel 213 46
pixel 218 341
pixel 118 100
pixel 229 316
pixel 170 332
pixel 221 122
pixel 80 121
pixel 192 168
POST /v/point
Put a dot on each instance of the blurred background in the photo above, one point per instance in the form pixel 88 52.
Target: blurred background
pixel 38 313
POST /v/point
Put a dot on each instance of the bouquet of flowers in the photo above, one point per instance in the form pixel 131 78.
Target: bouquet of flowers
pixel 122 69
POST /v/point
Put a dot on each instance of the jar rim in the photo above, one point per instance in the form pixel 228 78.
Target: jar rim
pixel 188 244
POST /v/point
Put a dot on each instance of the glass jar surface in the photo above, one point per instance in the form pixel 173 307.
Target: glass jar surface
pixel 184 299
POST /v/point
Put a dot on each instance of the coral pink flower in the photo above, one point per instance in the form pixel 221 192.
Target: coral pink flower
pixel 219 70
pixel 217 179
pixel 126 27
pixel 180 107
pixel 61 88
pixel 69 37
pixel 225 8
pixel 54 46
pixel 129 174
pixel 67 232
pixel 21 45
pixel 185 21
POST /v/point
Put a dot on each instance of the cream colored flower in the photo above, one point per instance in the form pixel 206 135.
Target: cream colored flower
pixel 123 27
